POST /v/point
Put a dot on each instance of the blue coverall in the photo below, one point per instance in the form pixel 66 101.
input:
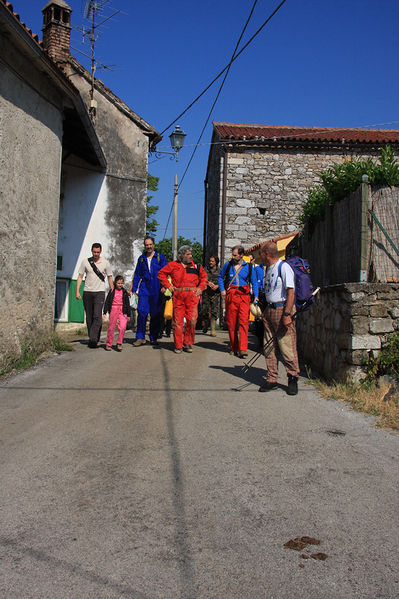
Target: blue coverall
pixel 149 294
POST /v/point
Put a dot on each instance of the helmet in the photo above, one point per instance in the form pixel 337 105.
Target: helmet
pixel 255 310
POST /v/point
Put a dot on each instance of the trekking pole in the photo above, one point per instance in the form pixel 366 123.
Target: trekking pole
pixel 269 344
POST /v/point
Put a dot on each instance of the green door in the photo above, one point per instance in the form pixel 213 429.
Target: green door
pixel 76 311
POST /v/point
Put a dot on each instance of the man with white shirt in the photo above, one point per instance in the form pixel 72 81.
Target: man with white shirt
pixel 280 331
pixel 97 269
pixel 145 283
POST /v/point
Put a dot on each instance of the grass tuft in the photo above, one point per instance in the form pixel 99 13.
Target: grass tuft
pixel 372 400
pixel 32 351
pixel 60 344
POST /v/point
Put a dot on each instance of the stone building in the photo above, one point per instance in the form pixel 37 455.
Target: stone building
pixel 258 176
pixel 67 179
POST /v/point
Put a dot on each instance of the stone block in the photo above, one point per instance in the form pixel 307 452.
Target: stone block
pixel 358 310
pixel 235 210
pixel 242 220
pixel 244 203
pixel 394 312
pixel 365 342
pixel 358 357
pixel 232 241
pixel 378 311
pixel 357 296
pixel 360 325
pixel 381 325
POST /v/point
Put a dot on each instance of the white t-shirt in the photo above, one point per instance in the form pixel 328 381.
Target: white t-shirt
pixel 92 281
pixel 276 287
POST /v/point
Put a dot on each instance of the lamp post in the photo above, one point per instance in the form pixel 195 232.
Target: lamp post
pixel 177 142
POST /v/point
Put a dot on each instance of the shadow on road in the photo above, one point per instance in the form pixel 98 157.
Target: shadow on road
pixel 71 569
pixel 253 376
pixel 181 534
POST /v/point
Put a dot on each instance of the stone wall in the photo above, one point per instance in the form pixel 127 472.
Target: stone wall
pixel 30 157
pixel 346 322
pixel 266 189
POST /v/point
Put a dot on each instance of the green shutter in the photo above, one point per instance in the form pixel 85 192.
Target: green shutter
pixel 76 310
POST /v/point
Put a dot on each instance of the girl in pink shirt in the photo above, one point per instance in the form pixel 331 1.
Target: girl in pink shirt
pixel 117 304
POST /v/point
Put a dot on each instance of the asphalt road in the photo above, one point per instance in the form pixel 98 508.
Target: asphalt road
pixel 151 475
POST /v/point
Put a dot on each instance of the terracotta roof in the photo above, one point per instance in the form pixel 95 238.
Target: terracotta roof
pixel 235 131
pixel 34 36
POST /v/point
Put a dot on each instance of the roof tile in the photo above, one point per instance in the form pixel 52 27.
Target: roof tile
pixel 235 132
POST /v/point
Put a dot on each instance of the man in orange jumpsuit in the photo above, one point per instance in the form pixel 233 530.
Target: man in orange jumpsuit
pixel 188 282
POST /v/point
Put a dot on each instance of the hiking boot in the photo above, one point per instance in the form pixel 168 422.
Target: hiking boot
pixel 139 342
pixel 178 350
pixel 292 385
pixel 268 386
pixel 119 347
pixel 188 348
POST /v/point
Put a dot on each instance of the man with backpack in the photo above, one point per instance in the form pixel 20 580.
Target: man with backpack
pixel 145 283
pixel 235 281
pixel 280 331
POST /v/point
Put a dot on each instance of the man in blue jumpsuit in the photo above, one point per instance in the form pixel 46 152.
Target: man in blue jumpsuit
pixel 148 288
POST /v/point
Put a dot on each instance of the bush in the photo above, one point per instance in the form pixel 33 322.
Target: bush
pixel 341 180
pixel 387 361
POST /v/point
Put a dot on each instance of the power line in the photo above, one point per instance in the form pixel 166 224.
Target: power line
pixel 218 94
pixel 226 67
pixel 213 105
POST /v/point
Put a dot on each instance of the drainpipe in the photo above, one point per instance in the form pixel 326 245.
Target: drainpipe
pixel 224 201
pixel 364 229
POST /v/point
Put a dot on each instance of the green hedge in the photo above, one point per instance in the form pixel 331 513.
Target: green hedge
pixel 340 180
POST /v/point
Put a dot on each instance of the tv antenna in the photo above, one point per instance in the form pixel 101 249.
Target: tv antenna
pixel 93 10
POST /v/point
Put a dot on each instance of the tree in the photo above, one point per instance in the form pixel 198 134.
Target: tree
pixel 165 247
pixel 151 224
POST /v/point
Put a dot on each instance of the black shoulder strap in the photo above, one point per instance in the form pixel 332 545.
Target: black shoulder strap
pixel 94 267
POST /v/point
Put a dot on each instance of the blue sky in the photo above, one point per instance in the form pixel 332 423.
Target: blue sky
pixel 326 63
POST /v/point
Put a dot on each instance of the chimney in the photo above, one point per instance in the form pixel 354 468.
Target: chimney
pixel 57 29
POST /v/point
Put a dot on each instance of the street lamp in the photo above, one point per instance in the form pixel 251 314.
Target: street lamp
pixel 176 141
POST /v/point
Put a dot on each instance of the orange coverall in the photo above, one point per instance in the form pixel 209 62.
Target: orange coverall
pixel 185 303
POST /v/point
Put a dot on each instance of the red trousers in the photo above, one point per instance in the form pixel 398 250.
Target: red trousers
pixel 237 315
pixel 185 306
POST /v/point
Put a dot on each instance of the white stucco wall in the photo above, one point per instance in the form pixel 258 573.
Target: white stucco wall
pixel 81 222
pixel 84 202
